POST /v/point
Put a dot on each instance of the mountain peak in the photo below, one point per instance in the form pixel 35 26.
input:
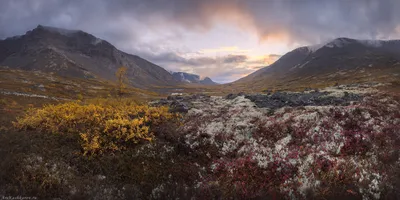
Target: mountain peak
pixel 338 58
pixel 342 42
pixel 62 31
pixel 339 42
pixel 77 54
pixel 81 38
pixel 208 81
pixel 192 78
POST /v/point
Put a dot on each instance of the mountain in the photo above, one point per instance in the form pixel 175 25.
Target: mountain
pixel 208 81
pixel 74 53
pixel 339 60
pixel 192 78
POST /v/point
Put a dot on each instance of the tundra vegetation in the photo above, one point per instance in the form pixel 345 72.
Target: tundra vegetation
pixel 313 146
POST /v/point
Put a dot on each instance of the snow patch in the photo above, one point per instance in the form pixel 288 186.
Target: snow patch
pixel 61 31
pixel 371 43
pixel 339 42
pixel 314 48
pixel 97 41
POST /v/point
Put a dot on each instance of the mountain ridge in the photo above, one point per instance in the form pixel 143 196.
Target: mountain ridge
pixel 339 56
pixel 75 53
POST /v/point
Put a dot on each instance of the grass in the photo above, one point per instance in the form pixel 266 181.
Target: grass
pixel 61 87
pixel 52 89
pixel 219 152
pixel 384 75
pixel 38 163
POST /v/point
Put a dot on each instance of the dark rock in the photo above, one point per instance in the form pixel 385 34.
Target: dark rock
pixel 267 91
pixel 233 96
pixel 180 107
pixel 241 94
pixel 199 96
pixel 170 98
pixel 175 97
pixel 307 89
pixel 180 103
pixel 315 98
pixel 163 102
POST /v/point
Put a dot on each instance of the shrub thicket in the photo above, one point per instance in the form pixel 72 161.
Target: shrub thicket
pixel 101 127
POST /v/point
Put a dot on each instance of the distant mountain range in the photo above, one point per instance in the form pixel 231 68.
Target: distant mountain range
pixel 74 53
pixel 339 59
pixel 192 78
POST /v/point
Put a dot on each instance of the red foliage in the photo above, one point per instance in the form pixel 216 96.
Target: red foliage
pixel 245 178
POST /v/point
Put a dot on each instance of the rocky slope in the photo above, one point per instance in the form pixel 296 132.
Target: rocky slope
pixel 341 95
pixel 74 53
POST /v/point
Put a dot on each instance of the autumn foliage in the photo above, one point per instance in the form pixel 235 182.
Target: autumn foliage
pixel 122 79
pixel 101 127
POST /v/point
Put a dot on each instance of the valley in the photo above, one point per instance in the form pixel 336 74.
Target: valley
pixel 322 122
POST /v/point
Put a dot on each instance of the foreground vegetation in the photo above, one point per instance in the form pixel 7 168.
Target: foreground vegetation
pixel 77 149
pixel 321 152
pixel 221 149
pixel 111 126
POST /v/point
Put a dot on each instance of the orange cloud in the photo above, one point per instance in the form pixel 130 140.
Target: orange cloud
pixel 271 58
pixel 229 49
pixel 229 11
pixel 237 13
pixel 276 36
pixel 264 59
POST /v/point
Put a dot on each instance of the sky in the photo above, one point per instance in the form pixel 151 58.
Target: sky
pixel 221 39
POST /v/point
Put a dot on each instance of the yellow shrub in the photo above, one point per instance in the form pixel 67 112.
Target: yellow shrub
pixel 101 127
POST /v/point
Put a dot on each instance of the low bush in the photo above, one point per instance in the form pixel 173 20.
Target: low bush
pixel 101 127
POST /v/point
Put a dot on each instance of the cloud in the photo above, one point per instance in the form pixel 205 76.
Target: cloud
pixel 176 59
pixel 221 69
pixel 264 59
pixel 163 30
pixel 308 20
pixel 235 59
pixel 231 49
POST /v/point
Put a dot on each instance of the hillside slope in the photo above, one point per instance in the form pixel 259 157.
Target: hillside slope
pixel 341 60
pixel 78 54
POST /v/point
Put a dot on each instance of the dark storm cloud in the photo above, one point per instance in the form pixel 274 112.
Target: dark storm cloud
pixel 316 21
pixel 235 59
pixel 128 23
pixel 171 57
pixel 305 20
pixel 275 55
